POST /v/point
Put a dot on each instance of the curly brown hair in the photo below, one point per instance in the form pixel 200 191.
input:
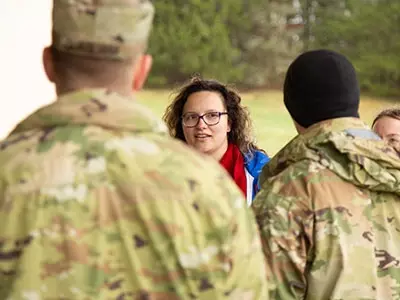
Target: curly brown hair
pixel 238 115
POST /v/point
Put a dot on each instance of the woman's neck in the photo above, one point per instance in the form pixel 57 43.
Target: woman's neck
pixel 219 153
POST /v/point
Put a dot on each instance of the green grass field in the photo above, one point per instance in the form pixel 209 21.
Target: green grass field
pixel 272 124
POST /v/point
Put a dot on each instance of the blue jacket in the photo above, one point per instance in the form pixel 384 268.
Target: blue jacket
pixel 253 167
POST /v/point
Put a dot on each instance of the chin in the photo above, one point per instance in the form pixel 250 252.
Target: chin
pixel 205 150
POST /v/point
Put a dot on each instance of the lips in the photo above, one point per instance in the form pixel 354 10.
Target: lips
pixel 201 136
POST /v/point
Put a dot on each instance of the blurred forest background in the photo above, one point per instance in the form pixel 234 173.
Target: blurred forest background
pixel 250 43
pixel 246 43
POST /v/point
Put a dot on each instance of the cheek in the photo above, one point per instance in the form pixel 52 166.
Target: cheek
pixel 188 133
pixel 221 130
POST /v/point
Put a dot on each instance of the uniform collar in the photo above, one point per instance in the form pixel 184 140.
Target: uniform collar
pixel 97 107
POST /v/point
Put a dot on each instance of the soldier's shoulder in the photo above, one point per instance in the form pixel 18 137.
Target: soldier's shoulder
pixel 289 172
pixel 298 182
pixel 42 142
pixel 18 145
pixel 177 161
pixel 36 156
pixel 147 159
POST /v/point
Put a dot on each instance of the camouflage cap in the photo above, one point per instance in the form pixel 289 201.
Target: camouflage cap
pixel 111 29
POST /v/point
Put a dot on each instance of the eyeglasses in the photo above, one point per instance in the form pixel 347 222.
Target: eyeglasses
pixel 210 118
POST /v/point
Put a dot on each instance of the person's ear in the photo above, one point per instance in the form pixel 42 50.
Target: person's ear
pixel 300 129
pixel 48 64
pixel 141 71
pixel 229 128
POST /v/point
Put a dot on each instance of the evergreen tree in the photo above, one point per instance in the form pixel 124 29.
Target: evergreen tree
pixel 367 31
pixel 236 41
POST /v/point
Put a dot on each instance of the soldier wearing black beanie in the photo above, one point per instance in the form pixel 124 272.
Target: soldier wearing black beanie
pixel 321 85
pixel 326 189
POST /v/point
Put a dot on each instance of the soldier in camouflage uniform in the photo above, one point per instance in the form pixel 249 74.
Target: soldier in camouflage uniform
pixel 329 206
pixel 96 201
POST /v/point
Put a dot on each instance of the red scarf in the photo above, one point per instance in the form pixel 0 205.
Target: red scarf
pixel 233 162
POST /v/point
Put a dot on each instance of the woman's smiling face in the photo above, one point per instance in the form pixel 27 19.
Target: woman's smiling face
pixel 208 139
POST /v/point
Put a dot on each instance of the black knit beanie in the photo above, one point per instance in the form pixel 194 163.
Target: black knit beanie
pixel 321 85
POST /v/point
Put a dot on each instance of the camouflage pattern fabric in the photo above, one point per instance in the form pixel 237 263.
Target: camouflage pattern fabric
pixel 97 202
pixel 329 215
pixel 111 29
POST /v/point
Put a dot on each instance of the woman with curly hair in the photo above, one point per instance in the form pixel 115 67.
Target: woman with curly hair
pixel 208 116
pixel 387 126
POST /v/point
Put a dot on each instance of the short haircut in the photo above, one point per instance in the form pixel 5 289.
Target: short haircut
pixel 102 71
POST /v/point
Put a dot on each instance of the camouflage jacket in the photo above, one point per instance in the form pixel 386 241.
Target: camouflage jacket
pixel 329 215
pixel 97 202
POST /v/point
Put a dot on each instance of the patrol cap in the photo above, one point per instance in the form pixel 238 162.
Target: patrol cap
pixel 106 29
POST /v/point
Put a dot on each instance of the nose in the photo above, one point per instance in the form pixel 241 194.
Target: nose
pixel 201 123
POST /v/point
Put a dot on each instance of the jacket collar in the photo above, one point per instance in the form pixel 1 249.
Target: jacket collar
pixel 94 107
pixel 347 147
